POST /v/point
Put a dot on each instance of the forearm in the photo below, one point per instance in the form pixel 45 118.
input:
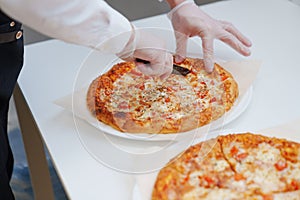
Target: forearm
pixel 77 21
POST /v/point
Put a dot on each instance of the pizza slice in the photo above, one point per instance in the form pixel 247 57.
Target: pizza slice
pixel 268 165
pixel 202 172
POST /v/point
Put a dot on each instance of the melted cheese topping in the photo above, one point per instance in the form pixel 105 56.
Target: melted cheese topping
pixel 259 166
pixel 212 194
pixel 295 195
pixel 145 97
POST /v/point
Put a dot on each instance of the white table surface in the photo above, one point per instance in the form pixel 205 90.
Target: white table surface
pixel 51 67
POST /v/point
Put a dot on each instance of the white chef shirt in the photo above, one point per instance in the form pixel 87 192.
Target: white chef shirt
pixel 83 22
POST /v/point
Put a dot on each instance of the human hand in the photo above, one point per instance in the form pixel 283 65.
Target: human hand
pixel 189 20
pixel 145 46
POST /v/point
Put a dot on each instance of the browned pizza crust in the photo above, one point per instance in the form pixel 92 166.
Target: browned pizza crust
pixel 108 89
pixel 235 166
pixel 105 82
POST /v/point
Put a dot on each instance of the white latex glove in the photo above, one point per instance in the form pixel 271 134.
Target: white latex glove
pixel 189 20
pixel 145 46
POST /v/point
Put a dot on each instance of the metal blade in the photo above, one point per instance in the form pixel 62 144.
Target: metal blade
pixel 176 68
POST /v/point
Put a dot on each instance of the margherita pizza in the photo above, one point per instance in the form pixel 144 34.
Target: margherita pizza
pixel 130 101
pixel 234 167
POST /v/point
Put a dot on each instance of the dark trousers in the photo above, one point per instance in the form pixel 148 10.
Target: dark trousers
pixel 11 61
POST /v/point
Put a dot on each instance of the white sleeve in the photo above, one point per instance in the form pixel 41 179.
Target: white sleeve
pixel 84 22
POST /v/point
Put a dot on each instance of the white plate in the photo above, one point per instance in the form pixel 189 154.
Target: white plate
pixel 80 110
pixel 126 147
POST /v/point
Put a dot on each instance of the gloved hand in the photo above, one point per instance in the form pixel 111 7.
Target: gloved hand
pixel 189 20
pixel 147 47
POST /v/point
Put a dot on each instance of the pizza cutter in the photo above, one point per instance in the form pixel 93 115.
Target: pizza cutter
pixel 176 68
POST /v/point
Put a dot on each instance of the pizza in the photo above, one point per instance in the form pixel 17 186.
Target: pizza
pixel 233 167
pixel 129 101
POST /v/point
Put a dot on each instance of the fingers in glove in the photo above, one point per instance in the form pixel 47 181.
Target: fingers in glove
pixel 168 67
pixel 181 45
pixel 236 44
pixel 234 31
pixel 160 64
pixel 208 53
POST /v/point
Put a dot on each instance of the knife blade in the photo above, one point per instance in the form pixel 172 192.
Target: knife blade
pixel 176 68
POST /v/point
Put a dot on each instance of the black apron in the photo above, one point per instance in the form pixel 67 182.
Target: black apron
pixel 11 61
